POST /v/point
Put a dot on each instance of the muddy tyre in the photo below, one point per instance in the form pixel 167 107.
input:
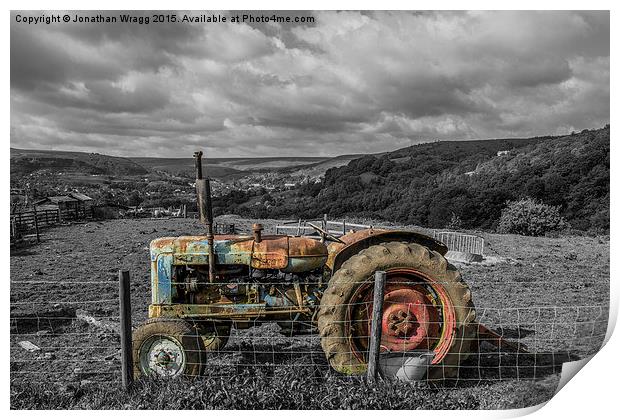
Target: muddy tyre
pixel 426 307
pixel 168 348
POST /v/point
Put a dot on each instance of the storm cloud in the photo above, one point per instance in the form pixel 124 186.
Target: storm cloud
pixel 350 82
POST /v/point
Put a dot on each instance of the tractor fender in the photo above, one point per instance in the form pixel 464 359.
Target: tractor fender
pixel 354 242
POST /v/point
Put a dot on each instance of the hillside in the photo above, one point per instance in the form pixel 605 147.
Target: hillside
pixel 429 184
pixel 150 181
pixel 25 162
pixel 236 167
pixel 432 183
pixel 183 166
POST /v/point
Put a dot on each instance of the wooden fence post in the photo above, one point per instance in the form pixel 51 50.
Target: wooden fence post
pixel 59 215
pixel 125 315
pixel 36 225
pixel 375 329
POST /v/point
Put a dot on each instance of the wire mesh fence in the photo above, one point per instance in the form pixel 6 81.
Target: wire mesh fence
pixel 76 341
pixel 55 341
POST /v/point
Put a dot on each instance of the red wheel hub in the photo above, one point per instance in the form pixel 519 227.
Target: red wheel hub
pixel 417 314
pixel 410 320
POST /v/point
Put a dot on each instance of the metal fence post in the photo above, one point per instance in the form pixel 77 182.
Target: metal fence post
pixel 126 347
pixel 375 329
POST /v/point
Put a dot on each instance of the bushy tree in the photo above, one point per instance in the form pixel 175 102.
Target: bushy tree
pixel 455 222
pixel 530 217
pixel 134 199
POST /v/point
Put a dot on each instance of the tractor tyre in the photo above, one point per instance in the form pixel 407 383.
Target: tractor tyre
pixel 427 307
pixel 168 348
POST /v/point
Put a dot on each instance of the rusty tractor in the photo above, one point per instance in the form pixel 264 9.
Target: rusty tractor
pixel 203 286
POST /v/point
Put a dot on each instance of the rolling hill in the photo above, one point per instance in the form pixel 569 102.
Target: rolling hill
pixel 429 184
pixel 236 167
pixel 24 162
pixel 470 181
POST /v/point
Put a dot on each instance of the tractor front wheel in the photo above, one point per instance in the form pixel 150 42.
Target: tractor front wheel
pixel 168 348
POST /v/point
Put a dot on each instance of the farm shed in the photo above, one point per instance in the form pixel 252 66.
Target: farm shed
pixel 72 206
pixel 46 207
pixel 63 202
pixel 85 203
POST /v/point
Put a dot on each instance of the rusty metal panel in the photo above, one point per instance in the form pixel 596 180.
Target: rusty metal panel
pixel 234 251
pixel 195 249
pixel 306 247
pixel 305 254
pixel 161 246
pixel 356 241
pixel 270 253
pixel 350 238
pixel 247 311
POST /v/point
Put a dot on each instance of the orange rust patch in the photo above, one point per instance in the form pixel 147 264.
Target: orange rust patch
pixel 270 253
pixel 306 247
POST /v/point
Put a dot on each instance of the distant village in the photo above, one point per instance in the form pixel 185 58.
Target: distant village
pixel 49 190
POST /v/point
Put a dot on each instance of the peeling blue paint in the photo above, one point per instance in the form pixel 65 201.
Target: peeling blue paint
pixel 162 290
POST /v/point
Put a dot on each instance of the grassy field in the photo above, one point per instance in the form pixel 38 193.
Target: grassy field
pixel 551 294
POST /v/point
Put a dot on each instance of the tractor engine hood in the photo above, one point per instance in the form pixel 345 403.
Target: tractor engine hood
pixel 273 252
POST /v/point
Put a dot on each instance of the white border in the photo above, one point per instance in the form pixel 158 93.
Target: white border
pixel 592 394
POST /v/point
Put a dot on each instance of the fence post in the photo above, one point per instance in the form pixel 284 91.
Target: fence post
pixel 59 216
pixel 126 347
pixel 375 329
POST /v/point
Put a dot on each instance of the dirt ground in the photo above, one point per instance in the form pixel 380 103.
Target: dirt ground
pixel 551 294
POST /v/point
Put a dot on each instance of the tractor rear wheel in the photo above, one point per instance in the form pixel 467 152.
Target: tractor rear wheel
pixel 427 307
pixel 168 348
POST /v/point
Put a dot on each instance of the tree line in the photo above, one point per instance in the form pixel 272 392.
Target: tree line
pixel 434 184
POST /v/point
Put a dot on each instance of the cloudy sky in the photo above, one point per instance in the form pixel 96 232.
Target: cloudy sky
pixel 348 83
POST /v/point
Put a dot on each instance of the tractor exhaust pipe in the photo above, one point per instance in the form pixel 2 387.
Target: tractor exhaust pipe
pixel 205 209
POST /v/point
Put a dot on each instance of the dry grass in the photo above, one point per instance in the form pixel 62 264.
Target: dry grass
pixel 549 293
